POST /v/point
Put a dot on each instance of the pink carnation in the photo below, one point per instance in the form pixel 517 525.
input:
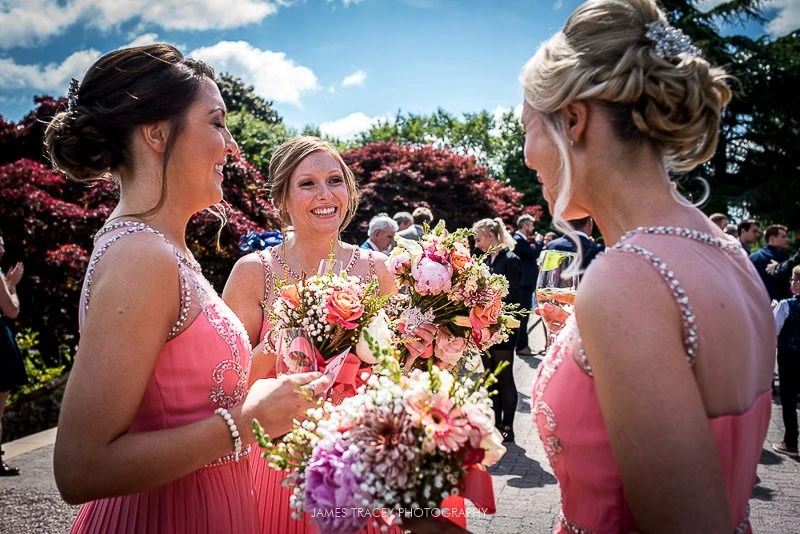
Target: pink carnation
pixel 447 425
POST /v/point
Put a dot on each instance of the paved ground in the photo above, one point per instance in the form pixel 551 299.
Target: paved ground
pixel 526 491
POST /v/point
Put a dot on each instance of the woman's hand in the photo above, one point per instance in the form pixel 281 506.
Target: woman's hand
pixel 277 402
pixel 422 347
pixel 14 274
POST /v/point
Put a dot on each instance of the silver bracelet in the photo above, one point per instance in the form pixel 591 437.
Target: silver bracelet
pixel 237 439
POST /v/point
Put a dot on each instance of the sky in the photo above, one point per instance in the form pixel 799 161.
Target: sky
pixel 337 64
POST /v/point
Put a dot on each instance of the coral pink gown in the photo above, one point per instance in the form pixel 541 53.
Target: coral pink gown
pixel 567 413
pixel 273 499
pixel 202 366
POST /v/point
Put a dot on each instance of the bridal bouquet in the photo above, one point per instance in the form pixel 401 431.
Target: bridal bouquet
pixel 404 443
pixel 337 311
pixel 447 287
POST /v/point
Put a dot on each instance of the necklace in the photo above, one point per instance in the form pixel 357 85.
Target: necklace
pixel 291 272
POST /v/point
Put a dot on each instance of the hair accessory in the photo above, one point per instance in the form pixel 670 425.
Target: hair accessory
pixel 669 41
pixel 72 94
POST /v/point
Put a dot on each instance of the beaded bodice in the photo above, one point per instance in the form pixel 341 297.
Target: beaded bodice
pixel 361 264
pixel 564 400
pixel 205 362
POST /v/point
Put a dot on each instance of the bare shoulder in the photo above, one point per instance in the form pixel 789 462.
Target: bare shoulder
pixel 247 274
pixel 624 310
pixel 143 257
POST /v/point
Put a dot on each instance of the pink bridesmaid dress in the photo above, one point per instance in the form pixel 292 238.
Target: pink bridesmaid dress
pixel 273 498
pixel 567 413
pixel 202 366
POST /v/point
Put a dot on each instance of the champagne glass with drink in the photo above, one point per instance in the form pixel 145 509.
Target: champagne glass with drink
pixel 295 352
pixel 553 288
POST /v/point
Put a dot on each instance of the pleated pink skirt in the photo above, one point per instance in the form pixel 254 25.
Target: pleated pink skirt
pixel 212 500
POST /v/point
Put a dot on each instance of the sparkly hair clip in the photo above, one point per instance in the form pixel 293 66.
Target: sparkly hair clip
pixel 669 41
pixel 72 94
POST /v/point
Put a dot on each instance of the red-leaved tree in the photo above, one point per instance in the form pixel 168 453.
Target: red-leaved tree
pixel 396 178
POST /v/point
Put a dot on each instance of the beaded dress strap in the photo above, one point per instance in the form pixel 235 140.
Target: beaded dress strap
pixel 269 279
pixel 131 227
pixel 371 259
pixel 688 317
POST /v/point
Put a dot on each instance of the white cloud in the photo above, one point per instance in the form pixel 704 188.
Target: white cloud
pixel 349 2
pixel 499 111
pixel 53 77
pixel 272 74
pixel 30 22
pixel 332 90
pixel 558 5
pixel 348 127
pixel 142 40
pixel 357 78
pixel 787 20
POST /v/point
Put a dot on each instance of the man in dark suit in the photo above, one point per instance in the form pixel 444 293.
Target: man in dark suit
pixel 528 251
pixel 777 238
pixel 414 232
pixel 583 229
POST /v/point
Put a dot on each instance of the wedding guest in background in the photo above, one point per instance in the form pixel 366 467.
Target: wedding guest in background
pixel 154 432
pixel 748 231
pixel 720 219
pixel 421 215
pixel 403 219
pixel 381 231
pixel 315 191
pixel 491 236
pixel 527 250
pixel 548 237
pixel 787 323
pixel 776 237
pixel 12 367
pixel 652 405
pixel 582 233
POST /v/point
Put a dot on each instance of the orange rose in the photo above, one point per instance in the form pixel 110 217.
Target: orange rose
pixel 481 317
pixel 344 309
pixel 290 295
pixel 460 257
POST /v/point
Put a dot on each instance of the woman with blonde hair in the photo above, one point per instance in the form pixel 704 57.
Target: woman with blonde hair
pixel 315 192
pixel 652 404
pixel 492 237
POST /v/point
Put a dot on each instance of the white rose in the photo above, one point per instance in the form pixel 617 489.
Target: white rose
pixel 492 443
pixel 380 332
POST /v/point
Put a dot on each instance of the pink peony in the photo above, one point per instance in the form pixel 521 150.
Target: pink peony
pixel 448 347
pixel 399 263
pixel 430 277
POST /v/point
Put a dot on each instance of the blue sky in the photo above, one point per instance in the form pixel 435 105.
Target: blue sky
pixel 337 64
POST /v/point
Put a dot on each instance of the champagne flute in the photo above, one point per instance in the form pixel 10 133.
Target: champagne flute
pixel 296 352
pixel 555 289
pixel 330 265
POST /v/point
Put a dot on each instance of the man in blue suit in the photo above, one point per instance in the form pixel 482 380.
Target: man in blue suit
pixel 777 238
pixel 528 251
pixel 583 229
